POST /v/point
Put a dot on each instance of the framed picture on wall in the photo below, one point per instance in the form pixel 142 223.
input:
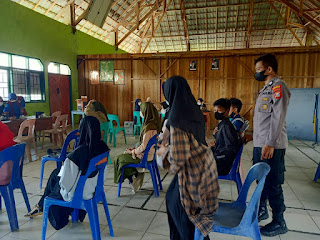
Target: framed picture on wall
pixel 119 77
pixel 106 71
pixel 193 65
pixel 94 77
pixel 215 64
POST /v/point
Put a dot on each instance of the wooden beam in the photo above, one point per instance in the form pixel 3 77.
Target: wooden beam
pixel 169 67
pixel 301 7
pixel 285 22
pixel 294 8
pixel 144 62
pixel 244 65
pixel 51 6
pixel 37 4
pixel 250 23
pixel 73 17
pixel 185 25
pixel 83 15
pixel 311 10
pixel 146 16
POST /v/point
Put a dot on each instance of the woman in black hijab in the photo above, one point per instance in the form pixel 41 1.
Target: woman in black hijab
pixel 191 198
pixel 62 182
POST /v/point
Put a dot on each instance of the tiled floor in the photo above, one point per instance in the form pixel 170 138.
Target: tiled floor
pixel 142 216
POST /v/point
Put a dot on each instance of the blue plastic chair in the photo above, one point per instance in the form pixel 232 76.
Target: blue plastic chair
pixel 105 128
pixel 234 174
pixel 138 125
pixel 74 135
pixel 114 130
pixel 237 218
pixel 151 166
pixel 317 175
pixel 77 202
pixel 16 155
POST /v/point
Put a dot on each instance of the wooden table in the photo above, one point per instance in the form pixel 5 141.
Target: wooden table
pixel 74 112
pixel 41 124
pixel 207 114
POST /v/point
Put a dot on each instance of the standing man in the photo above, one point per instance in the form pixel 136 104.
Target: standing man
pixel 270 141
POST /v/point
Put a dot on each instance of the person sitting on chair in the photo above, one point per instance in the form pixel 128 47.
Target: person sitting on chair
pixel 201 104
pixel 150 127
pixel 62 182
pixel 96 109
pixel 227 139
pixel 15 106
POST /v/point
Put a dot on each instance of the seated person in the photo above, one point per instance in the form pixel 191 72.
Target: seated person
pixel 1 106
pixel 234 113
pixel 6 140
pixel 228 141
pixel 201 104
pixel 15 106
pixel 96 109
pixel 150 127
pixel 137 108
pixel 62 183
pixel 164 134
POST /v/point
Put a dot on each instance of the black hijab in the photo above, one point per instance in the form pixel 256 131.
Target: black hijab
pixel 184 111
pixel 167 108
pixel 90 143
pixel 136 105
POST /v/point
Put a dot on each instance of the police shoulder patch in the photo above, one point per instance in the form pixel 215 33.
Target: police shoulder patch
pixel 277 92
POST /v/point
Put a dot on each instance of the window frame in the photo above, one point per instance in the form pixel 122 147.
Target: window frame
pixel 59 73
pixel 28 71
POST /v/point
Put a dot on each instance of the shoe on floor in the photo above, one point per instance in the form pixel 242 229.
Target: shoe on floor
pixel 274 228
pixel 34 212
pixel 137 182
pixel 263 214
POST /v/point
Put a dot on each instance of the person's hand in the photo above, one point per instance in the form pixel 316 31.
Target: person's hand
pixel 211 144
pixel 133 155
pixel 215 131
pixel 267 152
pixel 128 151
pixel 161 150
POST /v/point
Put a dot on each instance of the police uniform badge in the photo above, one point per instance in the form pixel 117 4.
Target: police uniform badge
pixel 264 106
pixel 277 92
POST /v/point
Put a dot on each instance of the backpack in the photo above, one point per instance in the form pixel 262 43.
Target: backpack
pixel 245 126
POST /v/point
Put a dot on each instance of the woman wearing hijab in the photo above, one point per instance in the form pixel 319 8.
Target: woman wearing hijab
pixel 201 104
pixel 96 109
pixel 150 127
pixel 164 135
pixel 137 108
pixel 62 183
pixel 192 195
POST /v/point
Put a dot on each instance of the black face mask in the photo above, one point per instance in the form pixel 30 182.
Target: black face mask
pixel 259 76
pixel 232 115
pixel 219 116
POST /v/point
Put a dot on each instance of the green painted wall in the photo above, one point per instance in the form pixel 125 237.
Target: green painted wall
pixel 28 33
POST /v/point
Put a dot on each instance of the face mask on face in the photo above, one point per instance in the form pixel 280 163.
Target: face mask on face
pixel 1 104
pixel 167 102
pixel 219 116
pixel 141 115
pixel 139 103
pixel 163 111
pixel 232 115
pixel 199 103
pixel 259 76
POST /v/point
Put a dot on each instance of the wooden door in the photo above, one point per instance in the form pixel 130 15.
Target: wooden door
pixel 59 92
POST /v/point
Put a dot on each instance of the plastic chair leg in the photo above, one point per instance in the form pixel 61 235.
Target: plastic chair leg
pixel 45 220
pixel 317 175
pixel 75 215
pixel 255 231
pixel 59 164
pixel 238 182
pixel 154 181
pixel 7 194
pixel 110 140
pixel 115 139
pixel 106 210
pixel 198 235
pixel 25 195
pixel 92 210
pixel 125 138
pixel 158 175
pixel 0 203
pixel 41 172
pixel 110 162
pixel 120 183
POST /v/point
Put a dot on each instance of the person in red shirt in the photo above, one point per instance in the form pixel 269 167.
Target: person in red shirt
pixel 6 140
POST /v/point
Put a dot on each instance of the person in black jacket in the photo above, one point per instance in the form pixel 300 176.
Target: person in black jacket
pixel 228 141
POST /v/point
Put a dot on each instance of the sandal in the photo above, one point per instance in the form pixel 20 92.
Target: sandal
pixel 34 212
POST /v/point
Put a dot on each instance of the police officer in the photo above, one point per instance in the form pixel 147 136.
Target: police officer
pixel 270 140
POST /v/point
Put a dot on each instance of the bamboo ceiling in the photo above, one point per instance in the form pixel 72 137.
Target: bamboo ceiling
pixel 147 26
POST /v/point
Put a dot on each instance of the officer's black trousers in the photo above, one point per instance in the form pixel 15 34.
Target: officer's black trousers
pixel 181 228
pixel 272 189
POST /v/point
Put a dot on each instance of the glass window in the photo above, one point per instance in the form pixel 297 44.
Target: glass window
pixel 4 86
pixel 35 86
pixel 19 78
pixel 35 64
pixel 53 68
pixel 4 59
pixel 19 62
pixel 65 70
